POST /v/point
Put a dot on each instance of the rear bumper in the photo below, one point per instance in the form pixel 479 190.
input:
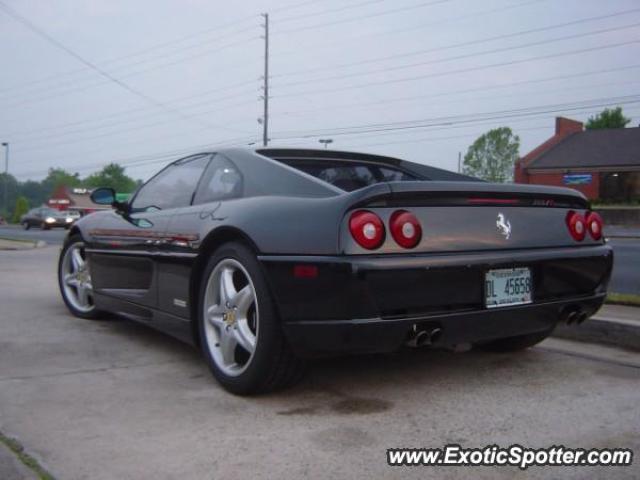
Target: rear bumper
pixel 368 303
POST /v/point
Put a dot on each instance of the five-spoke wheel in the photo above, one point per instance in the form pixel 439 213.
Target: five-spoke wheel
pixel 74 277
pixel 231 316
pixel 240 333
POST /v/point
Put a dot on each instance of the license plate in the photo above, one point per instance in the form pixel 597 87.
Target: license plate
pixel 508 286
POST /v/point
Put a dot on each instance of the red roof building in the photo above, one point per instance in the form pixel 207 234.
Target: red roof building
pixel 601 163
pixel 78 199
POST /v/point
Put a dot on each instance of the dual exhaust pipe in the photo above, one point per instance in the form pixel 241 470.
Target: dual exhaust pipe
pixel 574 316
pixel 421 337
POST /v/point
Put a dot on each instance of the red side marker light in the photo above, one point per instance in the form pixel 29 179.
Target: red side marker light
pixel 305 271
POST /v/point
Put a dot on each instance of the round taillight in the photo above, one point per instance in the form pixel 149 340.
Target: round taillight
pixel 367 229
pixel 576 225
pixel 594 225
pixel 405 228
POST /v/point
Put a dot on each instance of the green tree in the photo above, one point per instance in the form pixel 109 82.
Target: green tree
pixel 608 118
pixel 492 155
pixel 35 192
pixel 112 176
pixel 22 207
pixel 9 182
pixel 57 177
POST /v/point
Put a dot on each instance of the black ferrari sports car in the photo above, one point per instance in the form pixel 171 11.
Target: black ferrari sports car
pixel 264 257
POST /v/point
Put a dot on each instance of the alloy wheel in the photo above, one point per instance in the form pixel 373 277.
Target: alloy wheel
pixel 231 317
pixel 76 278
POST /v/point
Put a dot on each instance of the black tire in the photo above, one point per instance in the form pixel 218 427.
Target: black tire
pixel 515 344
pixel 93 314
pixel 44 226
pixel 273 365
pixel 26 225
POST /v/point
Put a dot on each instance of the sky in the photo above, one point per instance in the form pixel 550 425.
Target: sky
pixel 146 82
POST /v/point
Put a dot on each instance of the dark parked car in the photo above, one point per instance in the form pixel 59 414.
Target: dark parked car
pixel 265 257
pixel 46 218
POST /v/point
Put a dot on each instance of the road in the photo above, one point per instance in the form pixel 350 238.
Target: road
pixel 111 399
pixel 54 236
pixel 626 271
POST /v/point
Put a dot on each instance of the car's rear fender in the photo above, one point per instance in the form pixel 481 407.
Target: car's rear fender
pixel 469 216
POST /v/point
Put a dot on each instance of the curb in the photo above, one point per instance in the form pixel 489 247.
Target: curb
pixel 599 329
pixel 13 244
pixel 630 237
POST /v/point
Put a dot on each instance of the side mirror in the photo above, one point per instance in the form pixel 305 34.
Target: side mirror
pixel 103 196
pixel 107 196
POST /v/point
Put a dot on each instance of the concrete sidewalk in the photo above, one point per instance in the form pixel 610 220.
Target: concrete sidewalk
pixel 614 325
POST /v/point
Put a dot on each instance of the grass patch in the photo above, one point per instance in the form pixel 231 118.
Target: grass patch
pixel 15 446
pixel 629 299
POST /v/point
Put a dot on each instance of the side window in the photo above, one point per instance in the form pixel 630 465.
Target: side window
pixel 221 181
pixel 173 187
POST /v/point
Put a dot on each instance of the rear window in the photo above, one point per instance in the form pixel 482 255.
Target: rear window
pixel 349 175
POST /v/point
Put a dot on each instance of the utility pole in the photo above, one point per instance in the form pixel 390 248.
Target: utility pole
pixel 265 117
pixel 459 162
pixel 5 203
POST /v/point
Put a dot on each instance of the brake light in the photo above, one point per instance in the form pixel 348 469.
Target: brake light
pixel 367 229
pixel 576 225
pixel 405 228
pixel 594 225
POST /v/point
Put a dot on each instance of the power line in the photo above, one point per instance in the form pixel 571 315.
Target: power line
pixel 447 126
pixel 345 106
pixel 150 111
pixel 147 159
pixel 456 45
pixel 451 120
pixel 455 18
pixel 19 18
pixel 326 12
pixel 457 57
pixel 361 17
pixel 159 46
pixel 61 76
pixel 462 70
pixel 413 98
pixel 66 90
pixel 163 156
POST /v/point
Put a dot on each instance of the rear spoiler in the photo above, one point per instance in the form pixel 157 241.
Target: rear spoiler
pixel 424 193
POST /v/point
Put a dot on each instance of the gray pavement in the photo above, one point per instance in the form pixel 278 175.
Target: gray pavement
pixel 54 236
pixel 626 265
pixel 111 399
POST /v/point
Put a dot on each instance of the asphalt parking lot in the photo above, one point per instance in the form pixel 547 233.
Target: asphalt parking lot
pixel 110 399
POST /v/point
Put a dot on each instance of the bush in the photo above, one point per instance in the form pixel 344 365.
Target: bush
pixel 22 207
